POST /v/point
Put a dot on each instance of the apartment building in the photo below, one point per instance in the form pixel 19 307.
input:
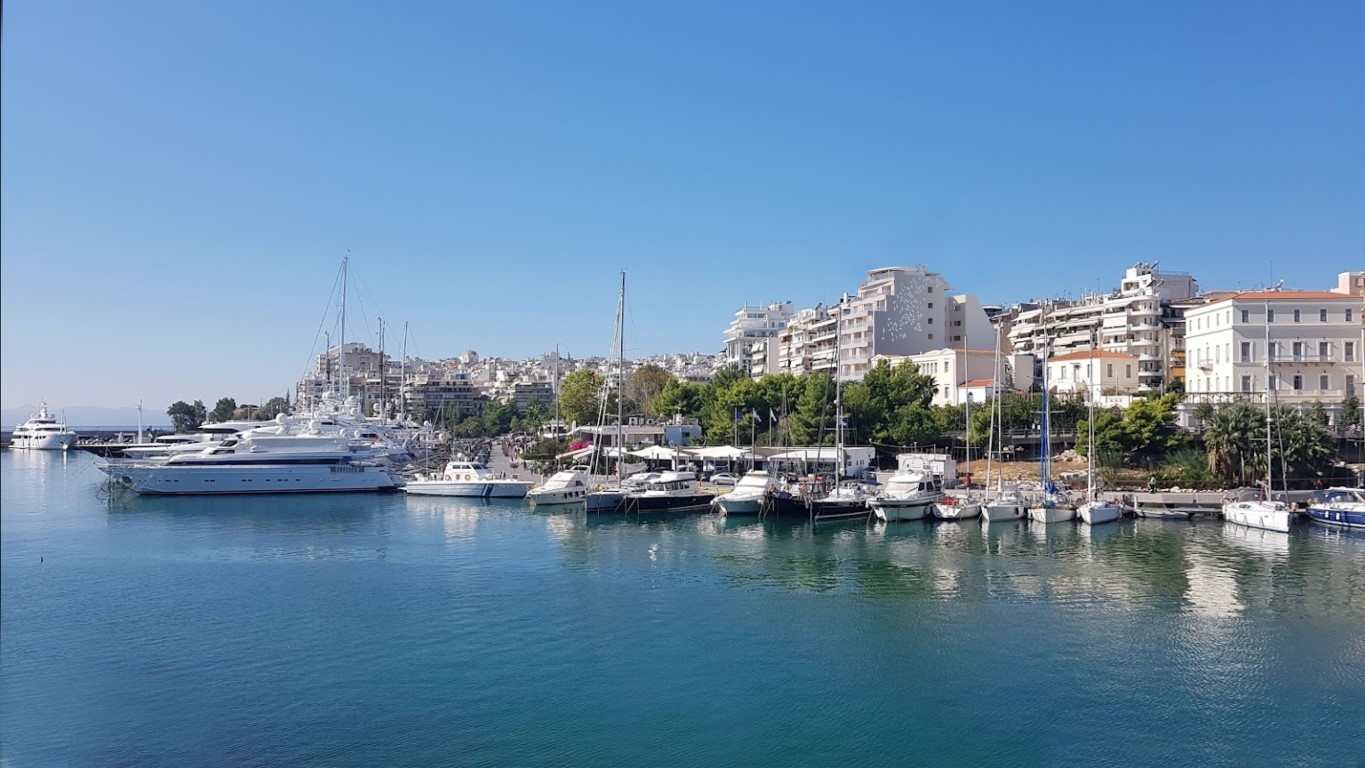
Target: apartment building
pixel 1301 346
pixel 1142 317
pixel 1093 373
pixel 751 340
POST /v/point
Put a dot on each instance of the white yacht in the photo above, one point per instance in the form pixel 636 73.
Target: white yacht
pixel 1258 513
pixel 1052 508
pixel 1008 505
pixel 468 479
pixel 669 492
pixel 1097 511
pixel 42 432
pixel 1339 506
pixel 257 464
pixel 749 494
pixel 907 496
pixel 952 508
pixel 568 486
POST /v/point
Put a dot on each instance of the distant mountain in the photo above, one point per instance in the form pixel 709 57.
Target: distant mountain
pixel 87 416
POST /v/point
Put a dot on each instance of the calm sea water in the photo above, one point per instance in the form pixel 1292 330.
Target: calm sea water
pixel 386 630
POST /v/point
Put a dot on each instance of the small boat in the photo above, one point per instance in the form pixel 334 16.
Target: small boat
pixel 1264 513
pixel 907 496
pixel 952 508
pixel 567 486
pixel 42 432
pixel 1097 511
pixel 613 499
pixel 469 479
pixel 1052 508
pixel 748 496
pixel 1009 505
pixel 1339 506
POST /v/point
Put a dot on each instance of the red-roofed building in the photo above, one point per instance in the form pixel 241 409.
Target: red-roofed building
pixel 1098 372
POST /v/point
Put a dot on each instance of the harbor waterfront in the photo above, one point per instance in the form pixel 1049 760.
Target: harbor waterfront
pixel 373 629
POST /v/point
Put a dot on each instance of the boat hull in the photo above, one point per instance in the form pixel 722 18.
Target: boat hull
pixel 1344 518
pixel 57 442
pixel 828 511
pixel 893 511
pixel 605 501
pixel 965 510
pixel 476 490
pixel 1097 514
pixel 558 496
pixel 1258 514
pixel 1049 515
pixel 996 513
pixel 171 480
pixel 736 506
pixel 645 505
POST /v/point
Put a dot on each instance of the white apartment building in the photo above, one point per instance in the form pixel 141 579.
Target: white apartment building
pixel 1306 345
pixel 905 311
pixel 751 340
pixel 807 343
pixel 1094 373
pixel 962 373
pixel 1136 319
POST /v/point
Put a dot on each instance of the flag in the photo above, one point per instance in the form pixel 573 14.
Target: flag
pixel 771 416
pixel 736 414
pixel 756 416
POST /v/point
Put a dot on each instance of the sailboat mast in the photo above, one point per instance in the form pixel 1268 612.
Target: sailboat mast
pixel 1268 386
pixel 838 393
pixel 341 350
pixel 620 379
pixel 403 377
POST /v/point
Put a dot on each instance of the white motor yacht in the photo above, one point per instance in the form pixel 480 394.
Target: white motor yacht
pixel 907 496
pixel 749 494
pixel 257 464
pixel 42 432
pixel 568 486
pixel 468 479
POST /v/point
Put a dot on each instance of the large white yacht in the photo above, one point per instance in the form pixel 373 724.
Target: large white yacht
pixel 567 486
pixel 257 464
pixel 42 432
pixel 469 479
pixel 907 496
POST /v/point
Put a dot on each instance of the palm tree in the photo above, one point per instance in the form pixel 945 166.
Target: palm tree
pixel 1233 437
pixel 1304 444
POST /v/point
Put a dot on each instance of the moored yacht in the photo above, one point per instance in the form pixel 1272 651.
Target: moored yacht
pixel 954 508
pixel 567 486
pixel 257 464
pixel 613 499
pixel 848 501
pixel 669 492
pixel 1339 506
pixel 1008 505
pixel 749 495
pixel 907 496
pixel 1258 513
pixel 468 479
pixel 42 432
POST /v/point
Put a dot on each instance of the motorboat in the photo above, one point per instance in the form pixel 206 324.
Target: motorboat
pixel 257 464
pixel 1339 506
pixel 907 496
pixel 613 499
pixel 469 479
pixel 669 492
pixel 42 432
pixel 749 494
pixel 567 486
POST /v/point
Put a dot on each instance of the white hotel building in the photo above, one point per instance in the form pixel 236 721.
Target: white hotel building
pixel 751 340
pixel 1315 350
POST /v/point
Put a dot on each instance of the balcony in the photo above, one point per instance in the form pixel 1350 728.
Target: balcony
pixel 1305 358
pixel 1144 310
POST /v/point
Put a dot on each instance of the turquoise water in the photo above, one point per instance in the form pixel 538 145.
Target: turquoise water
pixel 385 630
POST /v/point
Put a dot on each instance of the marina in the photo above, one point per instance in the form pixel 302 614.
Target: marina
pixel 396 629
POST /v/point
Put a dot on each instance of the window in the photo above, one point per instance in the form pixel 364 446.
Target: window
pixel 1110 372
pixel 1246 315
pixel 1324 351
pixel 931 336
pixel 1298 383
pixel 1271 348
pixel 1297 316
pixel 1270 382
pixel 1322 315
pixel 1348 351
pixel 1348 315
pixel 1350 384
pixel 1324 382
pixel 1246 383
pixel 1270 315
pixel 1246 352
pixel 931 305
pixel 1298 350
pixel 931 321
pixel 1128 371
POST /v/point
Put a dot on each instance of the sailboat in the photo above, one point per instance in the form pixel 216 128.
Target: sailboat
pixel 1262 513
pixel 848 500
pixel 1005 505
pixel 969 506
pixel 1051 507
pixel 613 499
pixel 1095 510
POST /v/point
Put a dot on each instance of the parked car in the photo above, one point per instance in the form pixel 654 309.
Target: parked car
pixel 725 479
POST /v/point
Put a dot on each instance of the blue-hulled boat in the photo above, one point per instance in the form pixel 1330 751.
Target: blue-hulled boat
pixel 1339 506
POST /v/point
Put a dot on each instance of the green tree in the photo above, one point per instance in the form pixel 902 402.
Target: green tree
pixel 898 403
pixel 1302 446
pixel 1232 434
pixel 1110 436
pixel 223 410
pixel 186 417
pixel 806 421
pixel 272 408
pixel 643 386
pixel 1350 410
pixel 1149 427
pixel 580 396
pixel 679 398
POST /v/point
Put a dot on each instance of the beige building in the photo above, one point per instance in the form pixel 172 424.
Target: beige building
pixel 1094 373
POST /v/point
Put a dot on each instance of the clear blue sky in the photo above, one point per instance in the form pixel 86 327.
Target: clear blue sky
pixel 181 180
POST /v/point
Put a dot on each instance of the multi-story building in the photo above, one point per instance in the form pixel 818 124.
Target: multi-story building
pixel 960 374
pixel 1300 346
pixel 350 370
pixel 807 343
pixel 435 389
pixel 751 339
pixel 1094 373
pixel 1140 318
